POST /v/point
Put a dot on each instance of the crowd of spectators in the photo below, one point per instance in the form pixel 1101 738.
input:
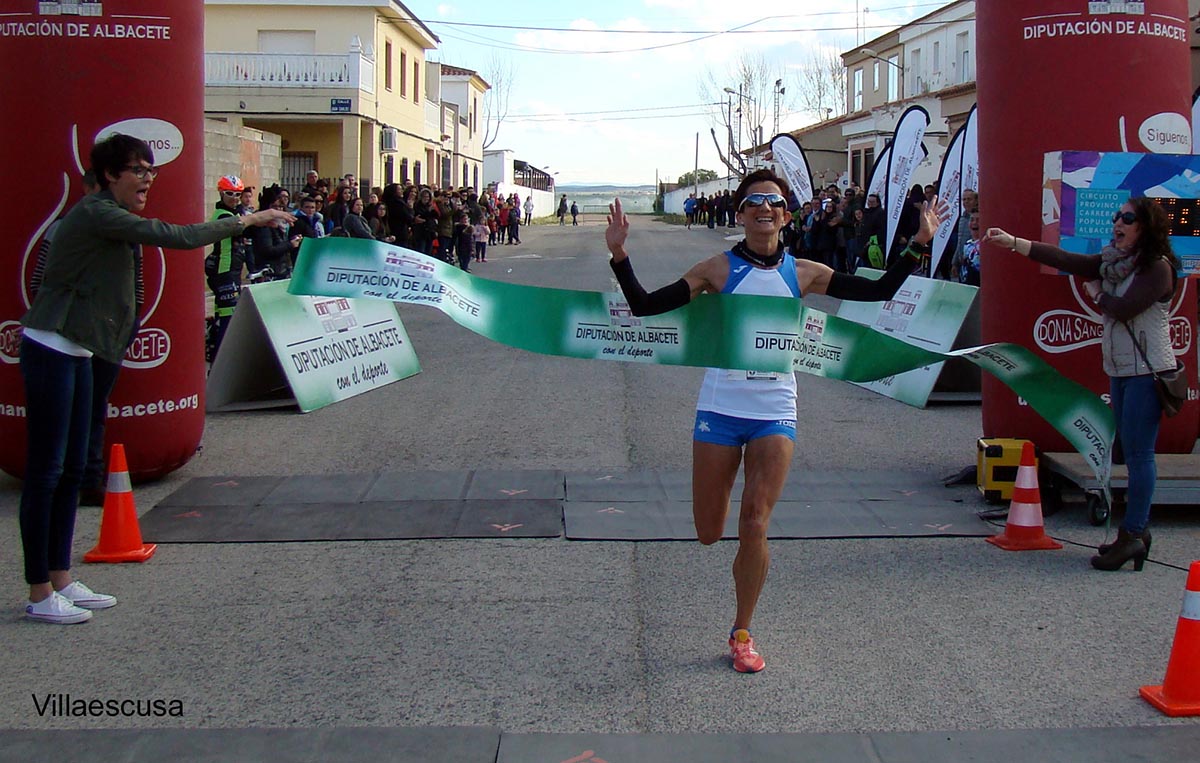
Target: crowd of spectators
pixel 713 211
pixel 846 229
pixel 422 218
pixel 455 225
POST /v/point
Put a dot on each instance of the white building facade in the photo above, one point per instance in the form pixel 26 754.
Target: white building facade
pixel 929 62
pixel 506 174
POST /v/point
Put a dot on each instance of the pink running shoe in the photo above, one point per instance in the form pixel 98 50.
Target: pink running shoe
pixel 741 649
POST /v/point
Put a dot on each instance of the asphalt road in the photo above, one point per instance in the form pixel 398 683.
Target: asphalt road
pixel 563 636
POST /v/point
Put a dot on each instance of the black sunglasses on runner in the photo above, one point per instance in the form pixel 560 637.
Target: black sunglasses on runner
pixel 758 199
pixel 1128 218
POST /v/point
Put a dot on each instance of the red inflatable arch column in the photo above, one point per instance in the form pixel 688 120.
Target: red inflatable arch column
pixel 80 70
pixel 1066 75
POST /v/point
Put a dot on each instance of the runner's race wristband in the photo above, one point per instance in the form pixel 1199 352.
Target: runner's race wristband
pixel 859 289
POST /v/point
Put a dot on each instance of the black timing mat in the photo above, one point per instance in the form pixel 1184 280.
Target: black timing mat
pixel 826 504
pixel 254 745
pixel 597 505
pixel 390 506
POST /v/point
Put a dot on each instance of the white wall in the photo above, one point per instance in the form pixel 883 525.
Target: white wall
pixel 673 201
pixel 497 167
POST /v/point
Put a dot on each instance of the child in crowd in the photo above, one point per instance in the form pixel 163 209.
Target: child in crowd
pixel 463 240
pixel 493 228
pixel 514 225
pixel 482 232
pixel 966 267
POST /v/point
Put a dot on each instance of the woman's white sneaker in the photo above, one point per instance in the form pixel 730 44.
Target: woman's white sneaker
pixel 56 609
pixel 82 596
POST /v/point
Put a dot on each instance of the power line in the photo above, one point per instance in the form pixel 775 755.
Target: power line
pixel 615 111
pixel 504 45
pixel 530 49
pixel 735 30
pixel 549 119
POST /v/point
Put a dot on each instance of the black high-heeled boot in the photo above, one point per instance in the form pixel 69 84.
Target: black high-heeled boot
pixel 1104 547
pixel 1126 547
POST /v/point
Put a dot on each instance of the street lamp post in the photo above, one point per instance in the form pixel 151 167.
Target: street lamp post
pixel 779 91
pixel 752 132
pixel 731 92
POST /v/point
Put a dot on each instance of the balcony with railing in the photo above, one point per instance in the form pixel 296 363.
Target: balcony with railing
pixel 354 70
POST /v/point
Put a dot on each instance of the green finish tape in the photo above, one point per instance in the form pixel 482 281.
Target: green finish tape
pixel 714 331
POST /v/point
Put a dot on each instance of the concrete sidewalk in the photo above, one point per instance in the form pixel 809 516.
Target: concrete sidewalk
pixel 565 637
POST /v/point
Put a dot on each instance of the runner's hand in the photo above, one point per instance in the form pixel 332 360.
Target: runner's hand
pixel 617 231
pixel 933 216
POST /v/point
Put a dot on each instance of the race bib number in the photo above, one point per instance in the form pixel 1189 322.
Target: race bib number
pixel 753 376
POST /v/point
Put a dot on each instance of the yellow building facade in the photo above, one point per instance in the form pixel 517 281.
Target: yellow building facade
pixel 346 86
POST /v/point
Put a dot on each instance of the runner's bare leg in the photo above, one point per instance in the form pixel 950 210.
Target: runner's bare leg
pixel 767 463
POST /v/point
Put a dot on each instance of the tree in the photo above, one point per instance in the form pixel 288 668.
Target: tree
pixel 740 116
pixel 499 74
pixel 823 85
pixel 699 176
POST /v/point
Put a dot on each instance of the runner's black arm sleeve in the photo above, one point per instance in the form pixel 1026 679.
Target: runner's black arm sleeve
pixel 859 289
pixel 656 302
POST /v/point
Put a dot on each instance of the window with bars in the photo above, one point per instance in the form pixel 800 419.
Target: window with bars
pixel 294 166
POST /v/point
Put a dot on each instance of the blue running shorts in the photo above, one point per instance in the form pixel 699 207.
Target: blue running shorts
pixel 720 429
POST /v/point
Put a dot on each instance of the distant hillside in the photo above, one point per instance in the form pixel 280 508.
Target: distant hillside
pixel 586 188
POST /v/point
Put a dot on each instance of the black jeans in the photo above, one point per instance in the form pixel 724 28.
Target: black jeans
pixel 104 378
pixel 58 413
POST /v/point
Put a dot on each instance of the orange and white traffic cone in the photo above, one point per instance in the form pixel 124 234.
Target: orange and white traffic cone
pixel 1024 530
pixel 1179 694
pixel 120 536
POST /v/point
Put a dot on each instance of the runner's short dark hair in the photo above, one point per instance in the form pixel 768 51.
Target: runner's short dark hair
pixel 760 176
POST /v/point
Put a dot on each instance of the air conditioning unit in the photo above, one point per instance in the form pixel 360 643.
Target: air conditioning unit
pixel 389 139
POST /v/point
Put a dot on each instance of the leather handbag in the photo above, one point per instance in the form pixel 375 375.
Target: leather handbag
pixel 1171 386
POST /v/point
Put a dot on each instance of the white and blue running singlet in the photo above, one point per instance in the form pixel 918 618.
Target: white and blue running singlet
pixel 753 394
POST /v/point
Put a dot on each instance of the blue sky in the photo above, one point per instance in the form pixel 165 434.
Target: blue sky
pixel 652 99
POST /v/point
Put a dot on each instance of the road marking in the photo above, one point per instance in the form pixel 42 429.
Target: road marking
pixel 189 515
pixel 588 756
pixel 506 528
pixel 610 510
pixel 513 492
pixel 230 483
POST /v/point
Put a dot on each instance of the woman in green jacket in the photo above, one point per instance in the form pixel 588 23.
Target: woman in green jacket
pixel 84 308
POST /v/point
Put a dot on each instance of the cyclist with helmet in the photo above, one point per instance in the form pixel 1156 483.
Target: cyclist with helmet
pixel 223 266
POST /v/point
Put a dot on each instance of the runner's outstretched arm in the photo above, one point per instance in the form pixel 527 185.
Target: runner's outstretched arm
pixel 641 303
